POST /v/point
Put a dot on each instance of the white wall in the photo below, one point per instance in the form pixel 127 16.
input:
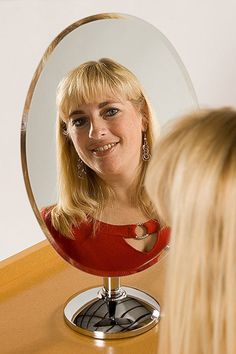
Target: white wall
pixel 203 33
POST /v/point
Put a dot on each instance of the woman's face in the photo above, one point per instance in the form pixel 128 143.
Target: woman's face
pixel 107 136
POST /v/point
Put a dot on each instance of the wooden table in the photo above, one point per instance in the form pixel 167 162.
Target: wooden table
pixel 36 283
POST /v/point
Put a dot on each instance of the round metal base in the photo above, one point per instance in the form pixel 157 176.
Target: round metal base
pixel 134 313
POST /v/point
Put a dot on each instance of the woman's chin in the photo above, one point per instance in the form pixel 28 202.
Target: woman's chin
pixel 107 171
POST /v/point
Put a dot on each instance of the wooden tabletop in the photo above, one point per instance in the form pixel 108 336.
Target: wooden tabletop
pixel 35 285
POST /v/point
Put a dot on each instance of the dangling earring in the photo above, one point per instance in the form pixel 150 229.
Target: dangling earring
pixel 146 154
pixel 81 168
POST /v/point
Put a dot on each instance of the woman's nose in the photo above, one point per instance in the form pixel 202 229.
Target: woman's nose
pixel 97 130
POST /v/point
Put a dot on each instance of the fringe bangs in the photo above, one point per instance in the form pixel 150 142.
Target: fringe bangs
pixel 94 85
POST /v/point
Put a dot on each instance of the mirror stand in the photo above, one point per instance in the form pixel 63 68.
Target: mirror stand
pixel 111 312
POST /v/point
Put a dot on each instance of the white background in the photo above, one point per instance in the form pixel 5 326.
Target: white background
pixel 202 32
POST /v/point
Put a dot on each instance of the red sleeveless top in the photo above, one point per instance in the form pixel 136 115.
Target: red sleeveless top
pixel 107 253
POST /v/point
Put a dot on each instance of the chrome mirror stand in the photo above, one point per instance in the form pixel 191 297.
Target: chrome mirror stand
pixel 112 312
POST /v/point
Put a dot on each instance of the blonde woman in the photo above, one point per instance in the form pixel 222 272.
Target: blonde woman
pixel 103 222
pixel 192 182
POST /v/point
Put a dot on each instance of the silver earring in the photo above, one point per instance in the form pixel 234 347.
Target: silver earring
pixel 81 168
pixel 146 154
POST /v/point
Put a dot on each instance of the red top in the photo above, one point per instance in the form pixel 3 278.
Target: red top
pixel 107 253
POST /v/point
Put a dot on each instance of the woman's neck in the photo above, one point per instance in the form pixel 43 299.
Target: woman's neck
pixel 119 208
pixel 122 194
pixel 122 185
pixel 122 214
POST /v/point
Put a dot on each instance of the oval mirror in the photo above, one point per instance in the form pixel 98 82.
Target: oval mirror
pixel 150 57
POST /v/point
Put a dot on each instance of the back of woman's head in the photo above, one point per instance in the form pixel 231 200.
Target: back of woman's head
pixel 192 181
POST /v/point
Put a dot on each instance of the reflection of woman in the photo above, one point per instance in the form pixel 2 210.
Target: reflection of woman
pixel 192 180
pixel 104 222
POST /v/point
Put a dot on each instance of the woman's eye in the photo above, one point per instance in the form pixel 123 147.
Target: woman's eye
pixel 79 122
pixel 111 112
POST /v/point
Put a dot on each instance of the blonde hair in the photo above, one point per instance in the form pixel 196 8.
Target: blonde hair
pixel 78 199
pixel 192 182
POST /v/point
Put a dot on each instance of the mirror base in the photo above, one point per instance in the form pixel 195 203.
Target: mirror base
pixel 130 314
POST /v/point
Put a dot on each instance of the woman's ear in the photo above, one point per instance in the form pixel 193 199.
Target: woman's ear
pixel 64 129
pixel 144 116
pixel 144 125
pixel 144 121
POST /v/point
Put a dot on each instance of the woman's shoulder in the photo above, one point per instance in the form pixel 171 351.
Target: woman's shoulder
pixel 46 213
pixel 54 223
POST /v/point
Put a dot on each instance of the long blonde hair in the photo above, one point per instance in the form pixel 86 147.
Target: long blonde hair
pixel 80 198
pixel 192 182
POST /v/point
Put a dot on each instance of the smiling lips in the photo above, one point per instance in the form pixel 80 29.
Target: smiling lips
pixel 104 147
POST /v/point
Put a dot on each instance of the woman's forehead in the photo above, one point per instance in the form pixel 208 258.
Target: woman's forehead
pixel 99 103
pixel 99 99
pixel 94 94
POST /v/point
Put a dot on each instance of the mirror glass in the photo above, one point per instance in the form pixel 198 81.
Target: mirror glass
pixel 146 52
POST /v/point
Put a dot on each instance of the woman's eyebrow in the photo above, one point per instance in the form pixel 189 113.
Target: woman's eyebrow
pixel 100 105
pixel 76 112
pixel 103 104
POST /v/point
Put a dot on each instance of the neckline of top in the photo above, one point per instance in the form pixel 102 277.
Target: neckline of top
pixel 149 221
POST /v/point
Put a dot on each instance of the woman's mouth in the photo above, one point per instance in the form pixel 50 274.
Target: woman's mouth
pixel 103 149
